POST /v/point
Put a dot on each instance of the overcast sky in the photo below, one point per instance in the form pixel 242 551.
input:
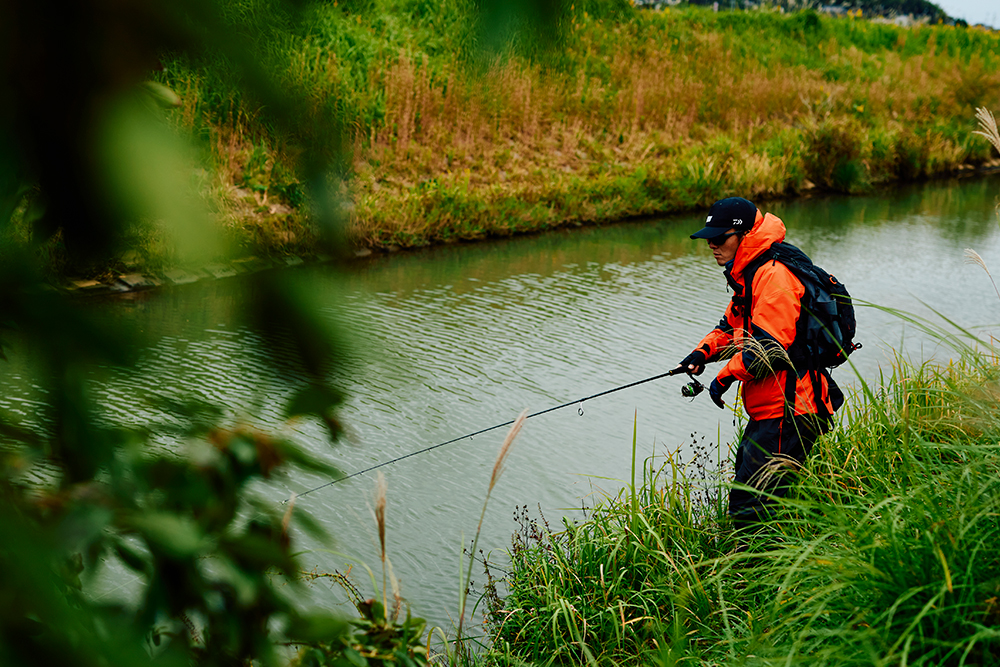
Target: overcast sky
pixel 973 11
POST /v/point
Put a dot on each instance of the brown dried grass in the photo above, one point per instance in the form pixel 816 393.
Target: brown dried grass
pixel 520 120
pixel 634 99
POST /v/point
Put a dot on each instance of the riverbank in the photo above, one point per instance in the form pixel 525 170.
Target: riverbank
pixel 885 555
pixel 632 113
pixel 629 113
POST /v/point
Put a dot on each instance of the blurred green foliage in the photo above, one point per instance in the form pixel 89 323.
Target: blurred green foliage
pixel 89 160
pixel 87 157
pixel 375 638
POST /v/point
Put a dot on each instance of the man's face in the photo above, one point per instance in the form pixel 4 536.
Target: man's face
pixel 724 246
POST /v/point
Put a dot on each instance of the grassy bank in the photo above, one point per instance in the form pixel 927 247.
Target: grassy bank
pixel 887 554
pixel 628 113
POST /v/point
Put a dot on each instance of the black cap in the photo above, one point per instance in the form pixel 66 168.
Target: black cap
pixel 729 213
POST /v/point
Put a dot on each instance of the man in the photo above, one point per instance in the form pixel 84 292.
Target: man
pixel 788 410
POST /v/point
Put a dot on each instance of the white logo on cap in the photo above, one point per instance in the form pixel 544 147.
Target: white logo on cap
pixel 737 221
pixel 709 219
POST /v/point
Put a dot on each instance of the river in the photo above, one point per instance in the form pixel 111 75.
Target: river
pixel 453 339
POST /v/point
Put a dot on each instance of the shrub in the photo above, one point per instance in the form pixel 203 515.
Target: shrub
pixel 833 156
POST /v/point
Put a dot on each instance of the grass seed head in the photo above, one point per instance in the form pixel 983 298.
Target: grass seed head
pixel 989 127
pixel 380 490
pixel 498 465
pixel 769 356
pixel 973 257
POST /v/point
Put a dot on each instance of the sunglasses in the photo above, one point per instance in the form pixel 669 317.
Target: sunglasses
pixel 720 239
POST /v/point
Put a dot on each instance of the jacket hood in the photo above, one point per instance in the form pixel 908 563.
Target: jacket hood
pixel 767 229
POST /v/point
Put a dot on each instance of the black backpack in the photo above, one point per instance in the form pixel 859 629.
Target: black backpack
pixel 826 329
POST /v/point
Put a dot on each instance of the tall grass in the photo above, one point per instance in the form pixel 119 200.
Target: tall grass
pixel 891 555
pixel 632 112
pixel 885 554
pixel 612 587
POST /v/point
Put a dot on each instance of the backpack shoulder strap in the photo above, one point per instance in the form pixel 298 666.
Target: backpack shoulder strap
pixel 774 253
pixel 748 275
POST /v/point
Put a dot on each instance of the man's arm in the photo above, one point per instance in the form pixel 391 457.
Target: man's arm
pixel 711 345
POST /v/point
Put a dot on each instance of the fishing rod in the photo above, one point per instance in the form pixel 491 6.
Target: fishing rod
pixel 689 390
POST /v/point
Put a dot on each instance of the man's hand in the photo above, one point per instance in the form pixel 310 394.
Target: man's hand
pixel 694 363
pixel 717 389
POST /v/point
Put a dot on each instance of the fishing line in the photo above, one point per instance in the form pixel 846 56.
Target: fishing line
pixel 578 402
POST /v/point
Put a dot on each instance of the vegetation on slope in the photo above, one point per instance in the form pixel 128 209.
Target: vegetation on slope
pixel 615 112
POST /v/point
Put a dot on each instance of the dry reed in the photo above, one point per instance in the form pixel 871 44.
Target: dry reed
pixel 378 514
pixel 498 468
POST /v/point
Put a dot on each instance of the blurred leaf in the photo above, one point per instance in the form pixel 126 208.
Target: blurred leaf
pixel 148 170
pixel 82 524
pixel 175 536
pixel 303 459
pixel 355 658
pixel 311 526
pixel 131 556
pixel 316 628
pixel 242 449
pixel 297 330
pixel 257 549
pixel 80 442
pixel 161 94
pixel 243 585
pixel 199 416
pixel 318 400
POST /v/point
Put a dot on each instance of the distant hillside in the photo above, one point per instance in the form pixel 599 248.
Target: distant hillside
pixel 916 8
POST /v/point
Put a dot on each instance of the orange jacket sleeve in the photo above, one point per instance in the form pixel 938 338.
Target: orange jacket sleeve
pixel 722 335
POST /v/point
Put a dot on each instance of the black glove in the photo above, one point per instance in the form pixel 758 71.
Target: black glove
pixel 696 359
pixel 717 389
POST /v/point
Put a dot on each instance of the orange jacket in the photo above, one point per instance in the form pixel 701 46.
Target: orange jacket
pixel 774 314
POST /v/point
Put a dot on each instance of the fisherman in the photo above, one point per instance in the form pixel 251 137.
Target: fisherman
pixel 787 410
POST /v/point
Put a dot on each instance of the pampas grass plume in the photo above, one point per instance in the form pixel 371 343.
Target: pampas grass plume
pixel 498 465
pixel 989 127
pixel 380 491
pixel 972 257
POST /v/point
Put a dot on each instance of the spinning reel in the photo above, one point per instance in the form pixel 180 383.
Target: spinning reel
pixel 692 388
